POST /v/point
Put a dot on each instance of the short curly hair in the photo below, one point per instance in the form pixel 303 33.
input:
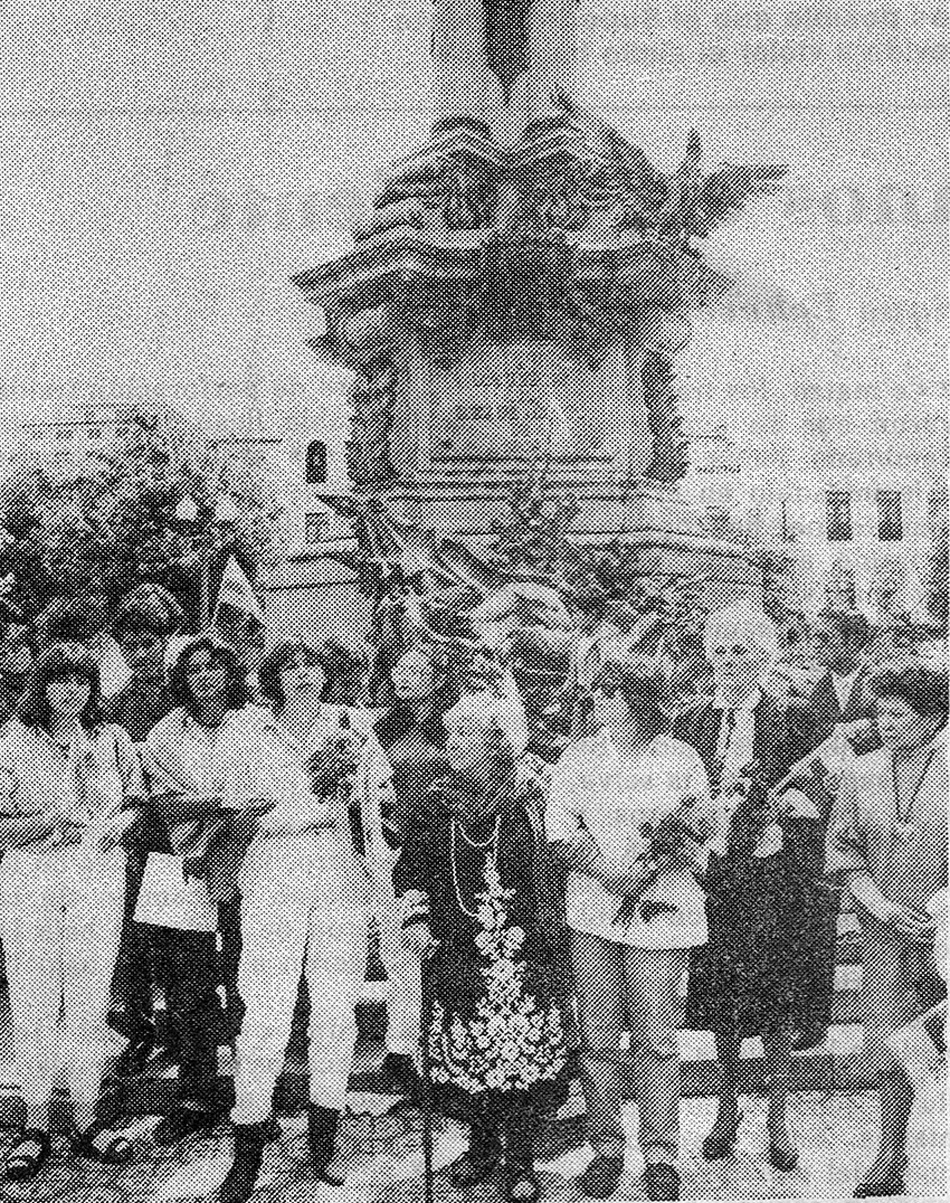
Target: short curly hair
pixel 289 654
pixel 924 687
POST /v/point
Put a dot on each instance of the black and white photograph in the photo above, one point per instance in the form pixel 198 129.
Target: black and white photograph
pixel 474 600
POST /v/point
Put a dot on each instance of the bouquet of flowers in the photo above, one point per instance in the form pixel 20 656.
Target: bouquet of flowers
pixel 670 842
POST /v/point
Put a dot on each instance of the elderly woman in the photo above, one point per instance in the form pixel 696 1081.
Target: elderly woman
pixel 888 842
pixel 629 813
pixel 757 974
pixel 72 790
pixel 471 879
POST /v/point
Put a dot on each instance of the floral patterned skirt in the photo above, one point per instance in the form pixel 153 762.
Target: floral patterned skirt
pixel 496 1042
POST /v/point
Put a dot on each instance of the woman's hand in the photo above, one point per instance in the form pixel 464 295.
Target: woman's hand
pixel 112 833
pixel 914 925
pixel 418 938
pixel 625 880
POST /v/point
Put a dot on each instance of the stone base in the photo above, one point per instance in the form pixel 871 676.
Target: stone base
pixel 653 519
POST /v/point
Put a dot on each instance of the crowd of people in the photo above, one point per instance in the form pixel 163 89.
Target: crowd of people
pixel 208 830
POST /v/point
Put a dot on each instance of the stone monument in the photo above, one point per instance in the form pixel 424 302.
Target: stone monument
pixel 515 297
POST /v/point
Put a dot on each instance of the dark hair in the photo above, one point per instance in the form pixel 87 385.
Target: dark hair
pixel 237 693
pixel 401 718
pixel 285 655
pixel 645 689
pixel 10 614
pixel 141 616
pixel 58 661
pixel 851 625
pixel 74 619
pixel 148 607
pixel 922 686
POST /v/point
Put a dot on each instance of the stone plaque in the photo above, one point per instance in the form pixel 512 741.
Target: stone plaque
pixel 525 401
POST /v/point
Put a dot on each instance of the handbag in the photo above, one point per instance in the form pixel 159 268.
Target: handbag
pixel 167 898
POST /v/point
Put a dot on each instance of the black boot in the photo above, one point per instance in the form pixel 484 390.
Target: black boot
pixel 241 1178
pixel 322 1126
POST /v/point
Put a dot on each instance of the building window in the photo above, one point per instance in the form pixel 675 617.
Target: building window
pixel 839 516
pixel 313 527
pixel 890 521
pixel 316 467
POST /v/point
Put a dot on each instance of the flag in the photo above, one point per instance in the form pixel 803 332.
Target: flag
pixel 237 609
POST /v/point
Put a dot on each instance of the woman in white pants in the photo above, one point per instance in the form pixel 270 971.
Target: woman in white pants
pixel 306 890
pixel 70 788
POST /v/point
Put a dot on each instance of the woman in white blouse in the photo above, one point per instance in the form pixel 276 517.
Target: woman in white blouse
pixel 308 882
pixel 634 910
pixel 72 788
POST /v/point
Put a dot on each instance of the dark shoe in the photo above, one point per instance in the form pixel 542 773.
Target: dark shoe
pixel 883 1180
pixel 661 1181
pixel 722 1138
pixel 602 1177
pixel 100 1143
pixel 398 1073
pixel 809 1037
pixel 322 1126
pixel 521 1182
pixel 136 1055
pixel 182 1122
pixel 29 1154
pixel 241 1178
pixel 784 1159
pixel 477 1164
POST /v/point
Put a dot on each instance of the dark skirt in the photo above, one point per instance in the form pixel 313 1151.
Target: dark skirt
pixel 456 989
pixel 770 956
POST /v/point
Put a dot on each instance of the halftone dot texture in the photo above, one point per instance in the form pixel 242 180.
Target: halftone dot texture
pixel 531 299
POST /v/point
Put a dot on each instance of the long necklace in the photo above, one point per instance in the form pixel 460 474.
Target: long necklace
pixel 489 846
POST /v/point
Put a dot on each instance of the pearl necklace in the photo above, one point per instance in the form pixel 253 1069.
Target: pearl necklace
pixel 490 846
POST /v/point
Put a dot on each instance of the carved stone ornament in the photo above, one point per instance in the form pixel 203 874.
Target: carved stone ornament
pixel 570 236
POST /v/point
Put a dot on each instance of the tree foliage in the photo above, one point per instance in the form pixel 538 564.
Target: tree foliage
pixel 111 524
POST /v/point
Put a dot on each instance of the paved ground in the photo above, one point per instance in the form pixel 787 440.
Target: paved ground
pixel 380 1151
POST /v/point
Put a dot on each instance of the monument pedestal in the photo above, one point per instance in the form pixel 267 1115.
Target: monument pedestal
pixel 513 302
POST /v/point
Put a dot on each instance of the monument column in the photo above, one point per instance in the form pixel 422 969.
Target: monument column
pixel 516 295
pixel 464 85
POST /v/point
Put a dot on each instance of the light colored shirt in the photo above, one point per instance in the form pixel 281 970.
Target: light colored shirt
pixel 612 795
pixel 276 857
pixel 901 843
pixel 250 756
pixel 87 783
pixel 844 685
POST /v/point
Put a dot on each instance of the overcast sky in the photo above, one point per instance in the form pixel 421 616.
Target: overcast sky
pixel 166 167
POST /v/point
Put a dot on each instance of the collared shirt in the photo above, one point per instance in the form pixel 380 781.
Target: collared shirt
pixel 86 783
pixel 844 685
pixel 736 746
pixel 350 858
pixel 613 795
pixel 901 842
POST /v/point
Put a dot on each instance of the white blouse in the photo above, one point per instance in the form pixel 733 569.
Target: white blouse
pixel 612 795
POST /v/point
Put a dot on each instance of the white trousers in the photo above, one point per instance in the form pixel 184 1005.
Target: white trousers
pixel 293 917
pixel 60 921
pixel 404 982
